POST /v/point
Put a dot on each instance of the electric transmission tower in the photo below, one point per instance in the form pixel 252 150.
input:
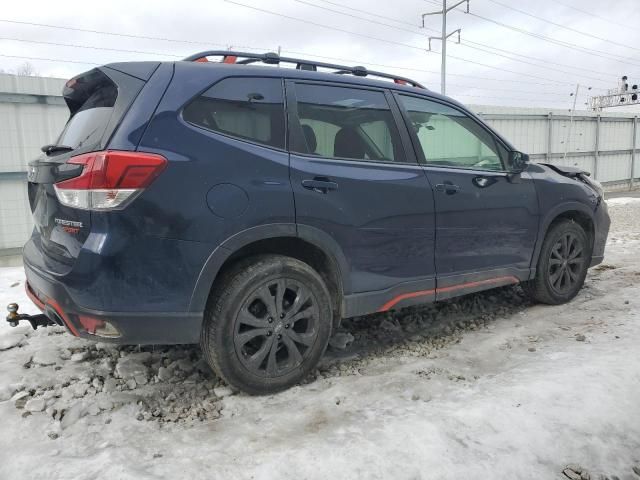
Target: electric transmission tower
pixel 616 97
pixel 443 38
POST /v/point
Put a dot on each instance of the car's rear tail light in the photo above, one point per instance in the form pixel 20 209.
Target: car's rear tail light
pixel 110 180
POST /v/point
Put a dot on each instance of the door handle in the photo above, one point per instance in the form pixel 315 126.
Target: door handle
pixel 448 188
pixel 320 185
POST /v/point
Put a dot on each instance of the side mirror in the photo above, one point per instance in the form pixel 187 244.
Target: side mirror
pixel 518 161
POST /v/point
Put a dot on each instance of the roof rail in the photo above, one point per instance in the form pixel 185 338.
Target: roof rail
pixel 271 58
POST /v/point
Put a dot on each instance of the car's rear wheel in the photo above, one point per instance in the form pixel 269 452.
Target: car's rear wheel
pixel 562 265
pixel 267 324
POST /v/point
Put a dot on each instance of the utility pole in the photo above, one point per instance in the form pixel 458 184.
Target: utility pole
pixel 443 39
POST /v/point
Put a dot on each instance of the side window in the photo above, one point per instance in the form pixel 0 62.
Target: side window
pixel 449 137
pixel 347 123
pixel 247 108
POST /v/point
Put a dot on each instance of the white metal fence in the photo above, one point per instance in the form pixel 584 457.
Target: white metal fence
pixel 32 114
pixel 605 144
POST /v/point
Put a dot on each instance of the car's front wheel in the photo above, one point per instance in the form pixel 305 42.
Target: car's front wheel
pixel 267 324
pixel 562 265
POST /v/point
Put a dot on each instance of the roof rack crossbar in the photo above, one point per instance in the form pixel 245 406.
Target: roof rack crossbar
pixel 272 58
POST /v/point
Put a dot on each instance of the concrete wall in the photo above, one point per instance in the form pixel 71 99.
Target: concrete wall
pixel 32 114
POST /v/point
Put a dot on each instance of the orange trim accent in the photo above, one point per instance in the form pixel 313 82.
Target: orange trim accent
pixel 404 296
pixel 421 293
pixel 55 305
pixel 201 60
pixel 511 278
pixel 229 59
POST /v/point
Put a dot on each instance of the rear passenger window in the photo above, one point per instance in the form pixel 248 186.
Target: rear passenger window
pixel 347 123
pixel 247 108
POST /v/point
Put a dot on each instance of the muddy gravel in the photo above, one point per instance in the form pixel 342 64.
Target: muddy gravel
pixel 174 384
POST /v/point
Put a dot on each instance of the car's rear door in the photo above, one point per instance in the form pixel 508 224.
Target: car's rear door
pixel 486 218
pixel 354 180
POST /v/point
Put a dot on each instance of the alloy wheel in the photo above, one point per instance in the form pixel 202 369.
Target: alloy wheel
pixel 276 327
pixel 566 263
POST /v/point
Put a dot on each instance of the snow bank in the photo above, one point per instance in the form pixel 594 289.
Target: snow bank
pixel 487 386
pixel 624 201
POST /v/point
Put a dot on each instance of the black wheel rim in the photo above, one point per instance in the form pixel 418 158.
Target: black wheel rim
pixel 566 263
pixel 276 327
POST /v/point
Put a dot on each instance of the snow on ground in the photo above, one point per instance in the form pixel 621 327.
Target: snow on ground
pixel 487 386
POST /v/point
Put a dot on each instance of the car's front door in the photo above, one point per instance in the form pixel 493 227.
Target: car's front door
pixel 354 181
pixel 486 218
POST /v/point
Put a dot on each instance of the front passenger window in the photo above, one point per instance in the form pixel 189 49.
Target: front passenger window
pixel 449 137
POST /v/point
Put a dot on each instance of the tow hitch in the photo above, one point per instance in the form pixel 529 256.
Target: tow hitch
pixel 40 320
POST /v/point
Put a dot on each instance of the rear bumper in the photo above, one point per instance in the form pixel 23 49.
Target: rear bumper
pixel 55 297
pixel 134 327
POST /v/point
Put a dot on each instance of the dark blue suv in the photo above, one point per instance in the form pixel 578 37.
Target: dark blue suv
pixel 250 208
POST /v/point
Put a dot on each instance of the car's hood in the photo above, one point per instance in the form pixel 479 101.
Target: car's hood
pixel 566 170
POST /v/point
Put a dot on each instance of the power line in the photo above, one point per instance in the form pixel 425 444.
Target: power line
pixel 595 15
pixel 387 41
pixel 589 51
pixel 524 92
pixel 75 45
pixel 175 40
pixel 573 46
pixel 415 32
pixel 544 61
pixel 565 27
pixel 500 98
pixel 309 22
pixel 464 42
pixel 534 64
pixel 370 13
pixel 56 60
pixel 101 32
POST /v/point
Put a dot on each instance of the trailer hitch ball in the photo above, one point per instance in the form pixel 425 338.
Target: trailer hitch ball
pixel 13 318
pixel 36 321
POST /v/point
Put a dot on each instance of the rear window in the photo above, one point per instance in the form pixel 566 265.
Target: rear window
pixel 247 108
pixel 91 99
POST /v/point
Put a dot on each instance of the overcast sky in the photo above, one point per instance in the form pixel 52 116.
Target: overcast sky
pixel 591 43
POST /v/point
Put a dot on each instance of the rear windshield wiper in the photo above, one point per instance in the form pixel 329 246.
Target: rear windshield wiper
pixel 49 149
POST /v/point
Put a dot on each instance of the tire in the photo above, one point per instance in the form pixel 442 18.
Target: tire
pixel 562 266
pixel 267 324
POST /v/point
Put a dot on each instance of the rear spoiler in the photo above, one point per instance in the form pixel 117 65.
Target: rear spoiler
pixel 78 89
pixel 571 172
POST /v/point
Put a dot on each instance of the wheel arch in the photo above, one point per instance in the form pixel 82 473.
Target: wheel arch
pixel 575 211
pixel 308 245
